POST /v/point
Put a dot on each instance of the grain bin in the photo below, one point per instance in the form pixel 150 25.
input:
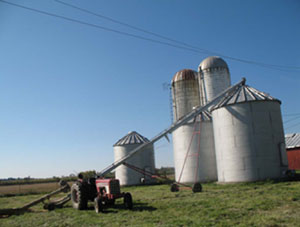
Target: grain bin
pixel 249 137
pixel 144 159
pixel 194 157
pixel 214 77
pixel 194 153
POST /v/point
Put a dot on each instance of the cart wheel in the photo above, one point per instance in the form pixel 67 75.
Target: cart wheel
pixel 197 187
pixel 51 206
pixel 98 205
pixel 174 188
pixel 128 201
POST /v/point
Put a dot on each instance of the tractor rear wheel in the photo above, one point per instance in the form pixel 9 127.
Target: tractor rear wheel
pixel 78 196
pixel 98 205
pixel 128 201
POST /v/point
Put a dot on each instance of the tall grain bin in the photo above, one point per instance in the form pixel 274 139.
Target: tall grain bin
pixel 214 78
pixel 191 164
pixel 185 92
pixel 144 159
pixel 249 137
pixel 194 153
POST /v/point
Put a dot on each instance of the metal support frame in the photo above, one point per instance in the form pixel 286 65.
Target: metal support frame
pixel 173 127
pixel 152 175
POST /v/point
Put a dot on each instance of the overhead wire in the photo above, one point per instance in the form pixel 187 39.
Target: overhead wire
pixel 292 114
pixel 174 40
pixel 291 119
pixel 184 45
pixel 97 26
pixel 129 25
pixel 292 126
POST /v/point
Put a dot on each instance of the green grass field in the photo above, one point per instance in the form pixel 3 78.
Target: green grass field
pixel 250 204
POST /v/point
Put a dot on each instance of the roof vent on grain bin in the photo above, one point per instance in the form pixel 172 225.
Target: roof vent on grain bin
pixel 249 139
pixel 143 160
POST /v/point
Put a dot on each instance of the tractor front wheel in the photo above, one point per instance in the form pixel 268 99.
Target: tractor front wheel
pixel 78 197
pixel 98 205
pixel 128 201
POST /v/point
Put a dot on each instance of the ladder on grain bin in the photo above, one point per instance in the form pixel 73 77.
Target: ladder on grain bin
pixel 173 127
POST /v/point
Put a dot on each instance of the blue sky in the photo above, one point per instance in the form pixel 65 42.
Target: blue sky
pixel 68 92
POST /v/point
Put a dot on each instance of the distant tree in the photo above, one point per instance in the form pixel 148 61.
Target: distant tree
pixel 165 171
pixel 110 175
pixel 89 173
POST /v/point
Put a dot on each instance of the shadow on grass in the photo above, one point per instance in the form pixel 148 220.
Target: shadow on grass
pixel 6 213
pixel 137 206
pixel 143 207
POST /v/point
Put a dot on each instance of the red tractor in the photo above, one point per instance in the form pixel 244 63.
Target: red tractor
pixel 103 192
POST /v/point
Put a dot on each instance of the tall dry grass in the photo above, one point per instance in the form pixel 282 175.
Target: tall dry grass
pixel 28 188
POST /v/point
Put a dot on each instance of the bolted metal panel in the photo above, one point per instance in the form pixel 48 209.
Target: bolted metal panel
pixel 144 159
pixel 249 141
pixel 214 77
pixel 194 154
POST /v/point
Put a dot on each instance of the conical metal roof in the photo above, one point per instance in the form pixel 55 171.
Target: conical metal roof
pixel 131 138
pixel 242 94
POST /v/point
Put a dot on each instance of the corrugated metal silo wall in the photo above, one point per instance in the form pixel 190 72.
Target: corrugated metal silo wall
pixel 213 82
pixel 194 154
pixel 249 141
pixel 143 160
pixel 185 97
